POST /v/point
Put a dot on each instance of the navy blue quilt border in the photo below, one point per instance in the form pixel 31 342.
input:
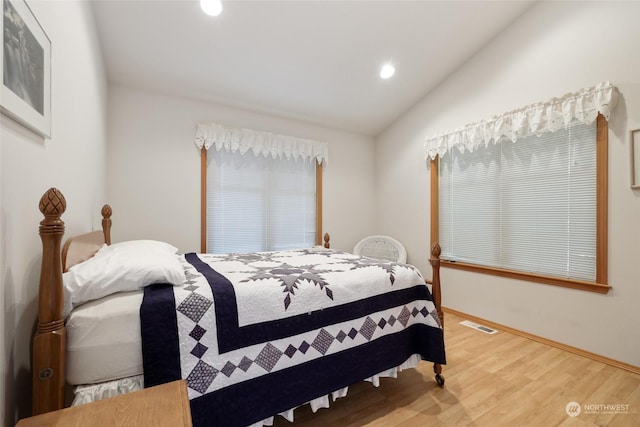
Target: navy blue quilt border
pixel 160 350
pixel 231 336
pixel 254 400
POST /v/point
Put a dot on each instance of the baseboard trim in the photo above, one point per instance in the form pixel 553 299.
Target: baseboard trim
pixel 570 349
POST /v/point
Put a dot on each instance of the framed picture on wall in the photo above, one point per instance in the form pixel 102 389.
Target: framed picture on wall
pixel 26 68
pixel 635 158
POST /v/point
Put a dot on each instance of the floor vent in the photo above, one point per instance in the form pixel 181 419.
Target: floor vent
pixel 480 328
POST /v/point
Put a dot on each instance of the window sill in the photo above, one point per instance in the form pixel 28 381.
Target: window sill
pixel 547 280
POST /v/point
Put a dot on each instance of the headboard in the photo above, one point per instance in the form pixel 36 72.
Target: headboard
pixel 80 248
pixel 50 340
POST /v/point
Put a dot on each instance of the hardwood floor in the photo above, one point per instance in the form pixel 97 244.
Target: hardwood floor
pixel 491 380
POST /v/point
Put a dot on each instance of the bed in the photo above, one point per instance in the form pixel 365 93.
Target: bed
pixel 254 335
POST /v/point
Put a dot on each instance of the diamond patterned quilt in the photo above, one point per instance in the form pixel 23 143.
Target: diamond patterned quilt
pixel 258 334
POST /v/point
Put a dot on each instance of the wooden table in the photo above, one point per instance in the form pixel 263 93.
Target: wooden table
pixel 163 405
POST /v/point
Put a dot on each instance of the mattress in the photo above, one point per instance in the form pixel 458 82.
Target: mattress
pixel 103 339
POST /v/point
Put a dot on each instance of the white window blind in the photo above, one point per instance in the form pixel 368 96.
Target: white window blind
pixel 258 203
pixel 528 206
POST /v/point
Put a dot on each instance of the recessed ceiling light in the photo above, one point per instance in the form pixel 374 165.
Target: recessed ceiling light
pixel 387 71
pixel 211 7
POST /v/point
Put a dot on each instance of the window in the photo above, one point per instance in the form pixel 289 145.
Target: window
pixel 260 191
pixel 535 209
pixel 257 203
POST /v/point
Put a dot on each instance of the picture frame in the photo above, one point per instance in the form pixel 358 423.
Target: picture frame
pixel 635 158
pixel 25 94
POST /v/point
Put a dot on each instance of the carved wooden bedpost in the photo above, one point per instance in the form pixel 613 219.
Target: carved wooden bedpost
pixel 434 260
pixel 50 340
pixel 435 266
pixel 326 240
pixel 106 223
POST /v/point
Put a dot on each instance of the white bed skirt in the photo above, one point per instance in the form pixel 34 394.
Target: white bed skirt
pixel 93 392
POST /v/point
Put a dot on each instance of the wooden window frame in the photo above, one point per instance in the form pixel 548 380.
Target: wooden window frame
pixel 600 285
pixel 203 201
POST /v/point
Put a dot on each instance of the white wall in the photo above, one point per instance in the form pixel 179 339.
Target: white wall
pixel 154 168
pixel 555 48
pixel 73 160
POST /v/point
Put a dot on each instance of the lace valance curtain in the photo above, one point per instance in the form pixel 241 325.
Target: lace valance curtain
pixel 534 119
pixel 218 137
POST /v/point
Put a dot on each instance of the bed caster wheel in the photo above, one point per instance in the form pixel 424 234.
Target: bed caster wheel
pixel 440 380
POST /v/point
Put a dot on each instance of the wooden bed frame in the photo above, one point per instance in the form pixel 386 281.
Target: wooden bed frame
pixel 49 342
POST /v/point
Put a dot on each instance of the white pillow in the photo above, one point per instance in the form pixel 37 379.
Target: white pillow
pixel 145 245
pixel 121 267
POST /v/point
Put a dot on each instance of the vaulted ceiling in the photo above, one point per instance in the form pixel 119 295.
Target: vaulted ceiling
pixel 316 61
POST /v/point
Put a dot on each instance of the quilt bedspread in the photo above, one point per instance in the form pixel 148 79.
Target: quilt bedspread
pixel 258 334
